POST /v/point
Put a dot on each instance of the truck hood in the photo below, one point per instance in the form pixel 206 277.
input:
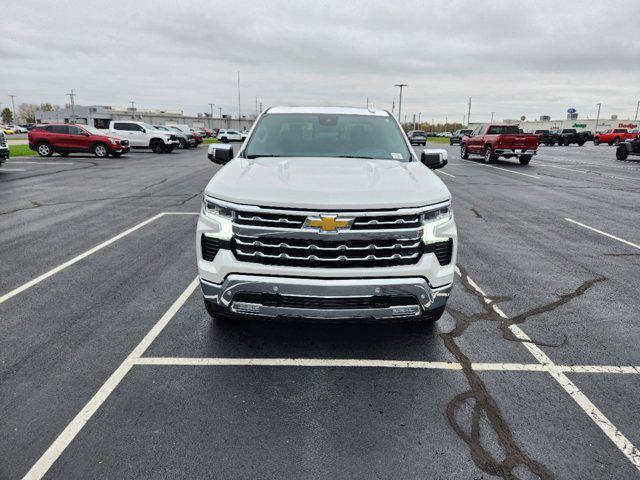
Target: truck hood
pixel 327 183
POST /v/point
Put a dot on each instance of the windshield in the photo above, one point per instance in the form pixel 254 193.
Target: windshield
pixel 327 135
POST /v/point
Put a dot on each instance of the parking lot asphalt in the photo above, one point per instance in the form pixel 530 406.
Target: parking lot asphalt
pixel 111 368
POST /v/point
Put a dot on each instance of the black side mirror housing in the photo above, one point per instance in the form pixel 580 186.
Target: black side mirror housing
pixel 434 157
pixel 220 153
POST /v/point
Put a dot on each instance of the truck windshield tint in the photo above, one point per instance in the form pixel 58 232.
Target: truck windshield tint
pixel 327 135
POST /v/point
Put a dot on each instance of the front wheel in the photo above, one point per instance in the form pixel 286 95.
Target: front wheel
pixel 183 144
pixel 100 150
pixel 525 159
pixel 581 144
pixel 596 141
pixel 567 143
pixel 157 147
pixel 44 149
pixel 622 153
pixel 464 153
pixel 224 140
pixel 489 156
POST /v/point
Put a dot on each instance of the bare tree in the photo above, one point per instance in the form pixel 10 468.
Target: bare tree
pixel 27 112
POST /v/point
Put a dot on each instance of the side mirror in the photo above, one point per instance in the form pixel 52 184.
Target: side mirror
pixel 220 153
pixel 434 157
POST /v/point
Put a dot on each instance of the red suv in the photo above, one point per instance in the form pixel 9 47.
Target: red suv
pixel 65 139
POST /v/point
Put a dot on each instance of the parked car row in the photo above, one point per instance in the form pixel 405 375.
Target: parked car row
pixel 119 138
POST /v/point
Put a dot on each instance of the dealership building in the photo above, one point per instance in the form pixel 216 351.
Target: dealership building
pixel 99 116
pixel 572 121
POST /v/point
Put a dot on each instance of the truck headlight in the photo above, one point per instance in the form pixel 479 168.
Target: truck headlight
pixel 113 140
pixel 433 219
pixel 220 215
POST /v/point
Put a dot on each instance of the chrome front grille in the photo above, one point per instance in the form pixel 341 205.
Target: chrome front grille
pixel 3 140
pixel 318 252
pixel 363 222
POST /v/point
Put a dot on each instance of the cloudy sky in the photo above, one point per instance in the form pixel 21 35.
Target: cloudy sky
pixel 512 57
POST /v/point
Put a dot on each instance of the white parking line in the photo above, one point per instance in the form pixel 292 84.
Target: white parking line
pixel 12 170
pixel 40 468
pixel 610 430
pixel 83 255
pixel 497 168
pixel 626 242
pixel 445 173
pixel 600 174
pixel 372 363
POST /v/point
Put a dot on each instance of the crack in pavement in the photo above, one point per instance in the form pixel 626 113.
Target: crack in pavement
pixel 484 405
pixel 477 213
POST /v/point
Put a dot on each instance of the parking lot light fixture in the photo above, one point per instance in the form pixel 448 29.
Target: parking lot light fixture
pixel 597 118
pixel 637 108
pixel 401 86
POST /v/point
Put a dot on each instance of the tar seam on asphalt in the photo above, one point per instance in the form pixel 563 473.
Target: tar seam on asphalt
pixel 483 401
pixel 477 213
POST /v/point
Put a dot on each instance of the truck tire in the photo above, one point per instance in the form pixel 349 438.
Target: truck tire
pixel 621 152
pixel 596 141
pixel 44 149
pixel 464 154
pixel 100 150
pixel 525 159
pixel 182 144
pixel 215 313
pixel 581 144
pixel 432 316
pixel 567 142
pixel 224 140
pixel 489 156
pixel 157 146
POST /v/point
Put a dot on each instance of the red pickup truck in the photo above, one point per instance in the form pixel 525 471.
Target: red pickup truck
pixel 613 136
pixel 493 141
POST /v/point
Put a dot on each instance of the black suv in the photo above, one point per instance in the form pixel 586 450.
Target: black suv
pixel 417 137
pixel 457 136
pixel 547 137
pixel 567 136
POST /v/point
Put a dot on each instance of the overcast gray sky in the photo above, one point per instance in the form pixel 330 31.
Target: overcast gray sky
pixel 513 57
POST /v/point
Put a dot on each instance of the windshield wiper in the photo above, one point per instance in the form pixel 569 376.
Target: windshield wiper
pixel 260 156
pixel 352 156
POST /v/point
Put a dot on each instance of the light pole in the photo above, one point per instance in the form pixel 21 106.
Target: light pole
pixel 133 109
pixel 401 86
pixel 597 118
pixel 72 96
pixel 492 116
pixel 239 114
pixel 211 117
pixel 469 113
pixel 13 107
pixel 637 108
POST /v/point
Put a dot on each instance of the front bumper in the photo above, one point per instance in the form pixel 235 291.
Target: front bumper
pixel 4 154
pixel 265 292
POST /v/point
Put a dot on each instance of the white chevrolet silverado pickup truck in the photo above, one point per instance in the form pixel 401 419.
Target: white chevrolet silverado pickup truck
pixel 326 213
pixel 4 148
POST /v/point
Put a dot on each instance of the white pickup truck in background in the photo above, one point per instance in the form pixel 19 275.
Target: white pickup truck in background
pixel 143 135
pixel 4 148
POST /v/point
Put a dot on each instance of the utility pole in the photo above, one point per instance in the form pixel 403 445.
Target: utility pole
pixel 13 105
pixel 220 112
pixel 401 86
pixel 597 118
pixel 256 107
pixel 469 112
pixel 72 96
pixel 419 118
pixel 239 114
pixel 211 117
pixel 260 111
pixel 492 116
pixel 637 108
pixel 414 121
pixel 133 109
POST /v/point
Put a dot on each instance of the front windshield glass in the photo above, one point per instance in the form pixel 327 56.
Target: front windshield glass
pixel 327 135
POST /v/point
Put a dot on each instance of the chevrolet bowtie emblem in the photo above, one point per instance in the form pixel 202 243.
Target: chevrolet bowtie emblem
pixel 328 223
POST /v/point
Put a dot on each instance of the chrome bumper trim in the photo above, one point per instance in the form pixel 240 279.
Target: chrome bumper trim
pixel 428 298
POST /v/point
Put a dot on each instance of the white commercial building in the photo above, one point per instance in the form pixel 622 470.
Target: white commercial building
pixel 580 124
pixel 99 116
